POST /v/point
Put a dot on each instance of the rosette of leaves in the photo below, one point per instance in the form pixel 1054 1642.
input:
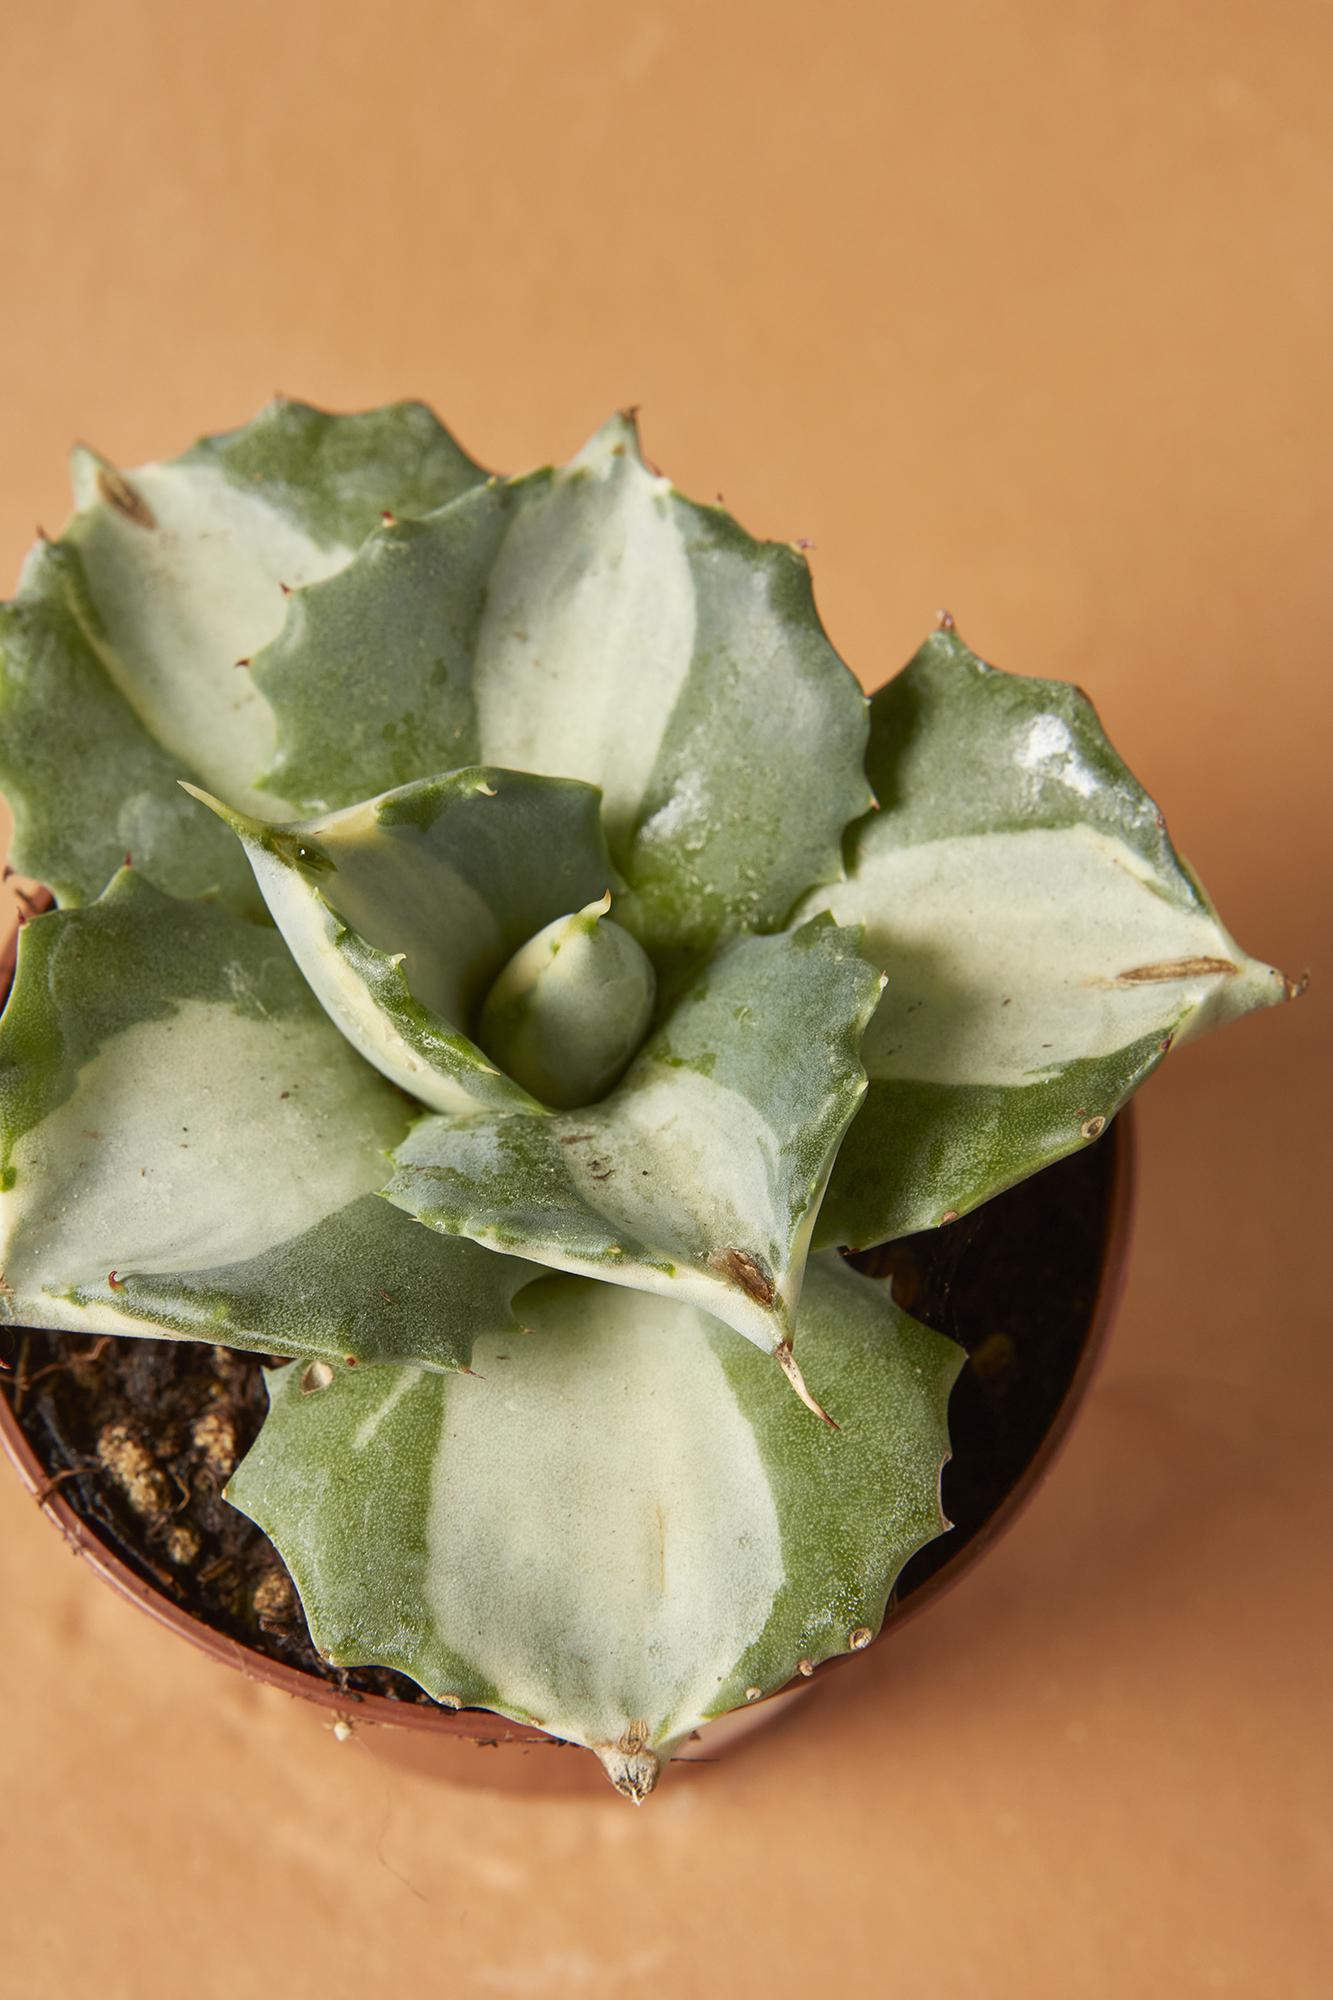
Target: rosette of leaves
pixel 500 960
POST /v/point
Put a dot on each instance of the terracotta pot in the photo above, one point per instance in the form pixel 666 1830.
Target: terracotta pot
pixel 415 1729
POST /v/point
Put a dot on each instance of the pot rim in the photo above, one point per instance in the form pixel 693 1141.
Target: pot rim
pixel 480 1725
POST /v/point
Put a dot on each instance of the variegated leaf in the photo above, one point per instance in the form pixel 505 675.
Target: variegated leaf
pixel 624 1525
pixel 402 910
pixel 119 659
pixel 188 1148
pixel 591 623
pixel 1044 945
pixel 699 1176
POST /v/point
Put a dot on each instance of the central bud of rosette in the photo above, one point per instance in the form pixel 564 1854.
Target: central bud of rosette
pixel 457 930
pixel 570 1009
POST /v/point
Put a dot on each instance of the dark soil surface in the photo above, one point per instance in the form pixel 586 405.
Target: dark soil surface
pixel 141 1435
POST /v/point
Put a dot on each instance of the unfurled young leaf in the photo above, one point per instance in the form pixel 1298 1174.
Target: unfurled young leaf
pixel 403 911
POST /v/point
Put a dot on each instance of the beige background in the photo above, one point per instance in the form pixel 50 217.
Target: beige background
pixel 1022 308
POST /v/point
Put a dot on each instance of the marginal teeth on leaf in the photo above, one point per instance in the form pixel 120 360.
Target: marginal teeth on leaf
pixel 859 1639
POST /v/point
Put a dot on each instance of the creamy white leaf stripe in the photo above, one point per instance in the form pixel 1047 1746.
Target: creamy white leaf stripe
pixel 626 1522
pixel 186 580
pixel 187 1147
pixel 592 623
pixel 1043 944
pixel 118 659
pixel 1011 954
pixel 588 632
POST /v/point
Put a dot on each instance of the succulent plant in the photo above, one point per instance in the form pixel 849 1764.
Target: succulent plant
pixel 547 964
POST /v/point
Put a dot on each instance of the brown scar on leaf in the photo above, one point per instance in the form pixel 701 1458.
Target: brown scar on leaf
pixel 116 490
pixel 575 1138
pixel 747 1272
pixel 1174 968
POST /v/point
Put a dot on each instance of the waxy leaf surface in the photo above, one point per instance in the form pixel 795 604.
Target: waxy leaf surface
pixel 188 1147
pixel 1043 944
pixel 699 1176
pixel 625 1523
pixel 591 623
pixel 400 912
pixel 118 660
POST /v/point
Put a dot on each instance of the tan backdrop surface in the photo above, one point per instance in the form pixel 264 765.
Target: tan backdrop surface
pixel 1021 308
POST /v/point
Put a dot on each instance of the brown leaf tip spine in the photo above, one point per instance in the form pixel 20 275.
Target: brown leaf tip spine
pixel 630 1765
pixel 786 1361
pixel 116 490
pixel 860 1638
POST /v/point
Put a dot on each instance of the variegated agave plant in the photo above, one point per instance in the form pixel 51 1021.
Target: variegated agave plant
pixel 620 963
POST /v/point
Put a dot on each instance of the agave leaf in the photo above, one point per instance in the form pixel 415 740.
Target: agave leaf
pixel 591 623
pixel 401 911
pixel 698 1176
pixel 626 1525
pixel 1044 944
pixel 118 662
pixel 88 782
pixel 187 1147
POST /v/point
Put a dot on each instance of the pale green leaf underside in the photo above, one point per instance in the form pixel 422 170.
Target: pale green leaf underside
pixel 118 660
pixel 1043 944
pixel 591 623
pixel 187 1147
pixel 698 1177
pixel 401 911
pixel 627 1522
